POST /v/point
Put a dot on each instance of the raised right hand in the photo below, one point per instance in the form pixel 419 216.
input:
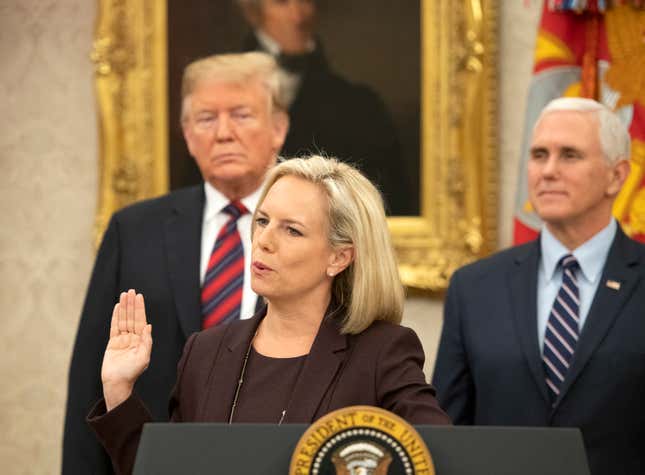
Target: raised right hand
pixel 128 351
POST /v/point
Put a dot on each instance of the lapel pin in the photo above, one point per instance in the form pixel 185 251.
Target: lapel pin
pixel 613 284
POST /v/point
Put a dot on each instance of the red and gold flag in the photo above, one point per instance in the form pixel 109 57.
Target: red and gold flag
pixel 591 49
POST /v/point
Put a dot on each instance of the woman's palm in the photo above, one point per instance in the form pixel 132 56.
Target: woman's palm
pixel 128 351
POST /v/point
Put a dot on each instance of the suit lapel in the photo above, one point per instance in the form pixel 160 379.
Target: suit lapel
pixel 183 246
pixel 323 363
pixel 523 284
pixel 606 304
pixel 227 368
pixel 260 304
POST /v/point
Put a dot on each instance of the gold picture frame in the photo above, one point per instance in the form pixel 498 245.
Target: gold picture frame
pixel 458 171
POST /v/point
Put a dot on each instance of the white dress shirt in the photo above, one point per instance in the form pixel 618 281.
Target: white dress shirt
pixel 591 257
pixel 214 220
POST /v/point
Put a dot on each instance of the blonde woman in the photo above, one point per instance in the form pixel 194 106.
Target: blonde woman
pixel 329 336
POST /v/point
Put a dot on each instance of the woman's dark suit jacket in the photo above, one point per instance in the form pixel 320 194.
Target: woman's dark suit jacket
pixel 381 366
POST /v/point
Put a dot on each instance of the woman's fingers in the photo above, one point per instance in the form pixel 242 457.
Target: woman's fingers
pixel 130 310
pixel 114 323
pixel 139 314
pixel 122 317
pixel 129 315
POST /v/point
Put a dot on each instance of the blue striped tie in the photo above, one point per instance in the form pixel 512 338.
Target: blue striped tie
pixel 562 328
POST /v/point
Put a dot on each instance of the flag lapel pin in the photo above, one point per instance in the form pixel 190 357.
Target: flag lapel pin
pixel 613 284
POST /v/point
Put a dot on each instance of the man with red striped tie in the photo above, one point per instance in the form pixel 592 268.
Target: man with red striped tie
pixel 185 250
pixel 552 333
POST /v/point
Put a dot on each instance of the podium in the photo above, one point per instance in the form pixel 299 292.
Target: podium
pixel 200 448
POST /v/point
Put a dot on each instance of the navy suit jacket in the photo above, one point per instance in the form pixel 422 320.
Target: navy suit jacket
pixel 153 247
pixel 489 367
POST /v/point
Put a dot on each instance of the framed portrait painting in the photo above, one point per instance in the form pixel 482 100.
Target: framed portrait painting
pixel 417 114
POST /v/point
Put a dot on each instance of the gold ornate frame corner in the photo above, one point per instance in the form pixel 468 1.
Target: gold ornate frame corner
pixel 458 164
pixel 130 57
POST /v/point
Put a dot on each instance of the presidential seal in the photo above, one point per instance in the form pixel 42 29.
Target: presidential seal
pixel 361 440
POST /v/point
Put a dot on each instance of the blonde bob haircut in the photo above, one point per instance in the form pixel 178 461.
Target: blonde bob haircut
pixel 369 288
pixel 239 69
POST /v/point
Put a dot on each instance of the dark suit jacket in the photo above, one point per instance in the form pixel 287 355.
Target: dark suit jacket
pixel 153 247
pixel 382 366
pixel 489 367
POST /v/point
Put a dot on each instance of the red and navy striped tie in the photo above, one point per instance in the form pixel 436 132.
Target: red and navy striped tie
pixel 224 279
pixel 562 328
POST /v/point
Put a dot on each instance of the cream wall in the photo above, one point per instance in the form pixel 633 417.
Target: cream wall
pixel 47 189
pixel 48 178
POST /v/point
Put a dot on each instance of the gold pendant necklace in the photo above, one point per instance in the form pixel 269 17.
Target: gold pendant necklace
pixel 241 380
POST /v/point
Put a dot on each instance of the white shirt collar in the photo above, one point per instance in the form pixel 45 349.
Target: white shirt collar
pixel 216 201
pixel 591 255
pixel 272 47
